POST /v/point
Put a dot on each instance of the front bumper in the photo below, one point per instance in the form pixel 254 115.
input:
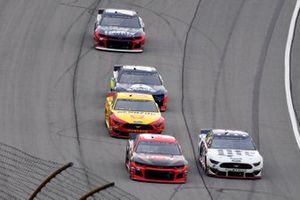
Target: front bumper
pixel 255 172
pixel 119 45
pixel 119 50
pixel 158 174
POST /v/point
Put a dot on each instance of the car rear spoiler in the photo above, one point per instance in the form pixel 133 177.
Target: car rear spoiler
pixel 117 67
pixel 100 11
pixel 203 133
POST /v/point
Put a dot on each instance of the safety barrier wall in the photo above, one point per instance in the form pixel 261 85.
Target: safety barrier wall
pixel 21 174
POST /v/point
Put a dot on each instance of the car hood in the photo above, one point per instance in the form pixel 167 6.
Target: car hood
pixel 120 31
pixel 141 88
pixel 159 160
pixel 234 155
pixel 137 117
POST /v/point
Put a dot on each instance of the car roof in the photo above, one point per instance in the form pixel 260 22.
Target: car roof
pixel 120 11
pixel 134 96
pixel 233 133
pixel 139 68
pixel 157 138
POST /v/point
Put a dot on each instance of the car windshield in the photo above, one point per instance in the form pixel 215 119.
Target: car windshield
pixel 120 21
pixel 140 77
pixel 232 142
pixel 136 105
pixel 158 148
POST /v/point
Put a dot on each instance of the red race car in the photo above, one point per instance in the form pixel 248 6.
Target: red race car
pixel 119 30
pixel 155 158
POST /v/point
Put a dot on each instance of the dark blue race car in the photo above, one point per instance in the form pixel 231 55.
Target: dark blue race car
pixel 139 79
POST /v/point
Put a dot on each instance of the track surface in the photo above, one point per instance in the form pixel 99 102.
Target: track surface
pixel 231 70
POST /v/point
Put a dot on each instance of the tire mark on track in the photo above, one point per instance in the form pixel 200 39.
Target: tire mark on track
pixel 74 89
pixel 89 9
pixel 222 65
pixel 76 66
pixel 159 15
pixel 163 17
pixel 260 70
pixel 75 6
pixel 60 77
pixel 183 98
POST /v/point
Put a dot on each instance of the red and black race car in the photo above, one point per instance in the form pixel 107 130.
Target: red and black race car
pixel 119 30
pixel 155 158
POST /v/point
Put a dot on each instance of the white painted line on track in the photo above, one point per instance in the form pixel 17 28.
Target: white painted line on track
pixel 287 60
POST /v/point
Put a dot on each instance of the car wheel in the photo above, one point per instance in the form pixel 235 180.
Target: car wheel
pixel 126 160
pixel 205 166
pixel 130 173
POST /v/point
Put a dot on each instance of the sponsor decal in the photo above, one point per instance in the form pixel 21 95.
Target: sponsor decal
pixel 135 112
pixel 141 87
pixel 159 157
pixel 236 170
pixel 238 160
pixel 137 116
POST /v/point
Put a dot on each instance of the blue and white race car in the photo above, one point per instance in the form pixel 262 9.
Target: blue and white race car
pixel 229 153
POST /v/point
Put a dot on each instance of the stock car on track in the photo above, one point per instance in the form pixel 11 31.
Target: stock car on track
pixel 132 113
pixel 229 153
pixel 156 158
pixel 119 30
pixel 140 79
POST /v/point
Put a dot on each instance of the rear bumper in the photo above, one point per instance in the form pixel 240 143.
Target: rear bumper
pixel 124 133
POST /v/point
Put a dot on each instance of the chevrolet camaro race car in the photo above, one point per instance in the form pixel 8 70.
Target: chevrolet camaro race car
pixel 140 79
pixel 229 153
pixel 119 30
pixel 155 158
pixel 132 113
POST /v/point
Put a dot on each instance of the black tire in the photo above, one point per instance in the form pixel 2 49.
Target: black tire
pixel 205 167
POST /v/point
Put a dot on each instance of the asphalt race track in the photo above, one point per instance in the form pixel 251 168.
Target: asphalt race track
pixel 222 62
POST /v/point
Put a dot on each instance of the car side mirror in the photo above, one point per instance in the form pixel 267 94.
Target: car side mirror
pixel 112 83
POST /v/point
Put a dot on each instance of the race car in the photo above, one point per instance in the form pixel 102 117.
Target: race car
pixel 155 158
pixel 140 79
pixel 132 113
pixel 119 30
pixel 229 153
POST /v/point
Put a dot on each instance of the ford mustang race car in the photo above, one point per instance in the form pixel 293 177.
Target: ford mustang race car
pixel 229 153
pixel 155 158
pixel 119 30
pixel 140 79
pixel 132 113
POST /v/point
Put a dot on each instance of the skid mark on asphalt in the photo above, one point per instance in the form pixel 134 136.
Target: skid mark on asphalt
pixel 250 192
pixel 177 189
pixel 159 15
pixel 183 98
pixel 260 70
pixel 222 66
pixel 74 84
pixel 76 6
pixel 88 9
